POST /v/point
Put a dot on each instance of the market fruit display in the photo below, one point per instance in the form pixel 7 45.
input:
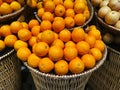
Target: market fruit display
pixel 60 53
pixel 108 11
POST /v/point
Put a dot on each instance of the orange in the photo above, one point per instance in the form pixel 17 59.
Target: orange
pixel 24 25
pixel 58 42
pixel 92 27
pixel 10 40
pixel 23 53
pixel 86 13
pixel 96 53
pixel 58 25
pixel 76 65
pixel 48 36
pixel 69 13
pixel 32 41
pixel 58 2
pixel 15 26
pixel 32 3
pixel 24 34
pixel 15 5
pixel 40 49
pixel 45 25
pixel 79 7
pixel 32 23
pixel 96 33
pixel 40 12
pixel 82 47
pixel 35 30
pixel 88 60
pixel 2 45
pixel 5 30
pixel 69 22
pixel 38 37
pixel 68 4
pixel 79 19
pixel 58 18
pixel 33 60
pixel 19 43
pixel 70 53
pixel 46 65
pixel 100 45
pixel 65 35
pixel 59 10
pixel 61 67
pixel 90 40
pixel 39 5
pixel 55 53
pixel 49 6
pixel 70 44
pixel 47 16
pixel 78 34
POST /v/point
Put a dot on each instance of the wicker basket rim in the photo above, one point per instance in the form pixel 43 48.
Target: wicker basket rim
pixel 4 17
pixel 90 18
pixel 117 52
pixel 70 76
pixel 7 54
pixel 114 29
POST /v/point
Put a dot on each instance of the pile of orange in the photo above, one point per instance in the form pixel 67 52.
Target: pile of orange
pixel 9 6
pixel 60 53
pixel 71 13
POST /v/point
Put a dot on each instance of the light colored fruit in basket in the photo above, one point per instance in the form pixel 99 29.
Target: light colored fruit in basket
pixel 76 66
pixel 96 2
pixel 112 17
pixel 117 25
pixel 114 4
pixel 15 5
pixel 108 38
pixel 5 8
pixel 103 11
pixel 2 45
pixel 104 3
pixel 61 67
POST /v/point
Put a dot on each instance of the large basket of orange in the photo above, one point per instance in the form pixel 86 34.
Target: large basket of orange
pixel 107 76
pixel 10 77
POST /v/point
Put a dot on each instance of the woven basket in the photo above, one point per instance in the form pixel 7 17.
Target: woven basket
pixel 10 77
pixel 66 82
pixel 107 77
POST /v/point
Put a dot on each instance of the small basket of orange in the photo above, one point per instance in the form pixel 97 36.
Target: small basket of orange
pixel 10 9
pixel 76 13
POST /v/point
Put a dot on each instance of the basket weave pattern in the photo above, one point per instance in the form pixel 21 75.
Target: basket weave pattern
pixel 107 77
pixel 10 72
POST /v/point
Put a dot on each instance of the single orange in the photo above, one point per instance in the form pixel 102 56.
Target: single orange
pixel 79 19
pixel 58 42
pixel 25 25
pixel 61 67
pixel 33 60
pixel 15 5
pixel 69 22
pixel 59 10
pixel 48 36
pixel 100 45
pixel 35 30
pixel 70 53
pixel 24 34
pixel 58 2
pixel 78 34
pixel 70 44
pixel 23 53
pixel 76 65
pixel 32 41
pixel 15 26
pixel 38 38
pixel 82 47
pixel 48 16
pixel 86 13
pixel 19 43
pixel 46 65
pixel 40 12
pixel 88 60
pixel 65 35
pixel 10 40
pixel 55 53
pixel 69 13
pixel 68 4
pixel 40 49
pixel 45 25
pixel 32 23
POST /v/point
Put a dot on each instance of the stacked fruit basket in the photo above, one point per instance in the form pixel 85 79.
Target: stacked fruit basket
pixel 57 44
pixel 108 17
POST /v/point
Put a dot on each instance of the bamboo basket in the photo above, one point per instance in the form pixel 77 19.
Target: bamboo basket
pixel 107 77
pixel 66 82
pixel 10 68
